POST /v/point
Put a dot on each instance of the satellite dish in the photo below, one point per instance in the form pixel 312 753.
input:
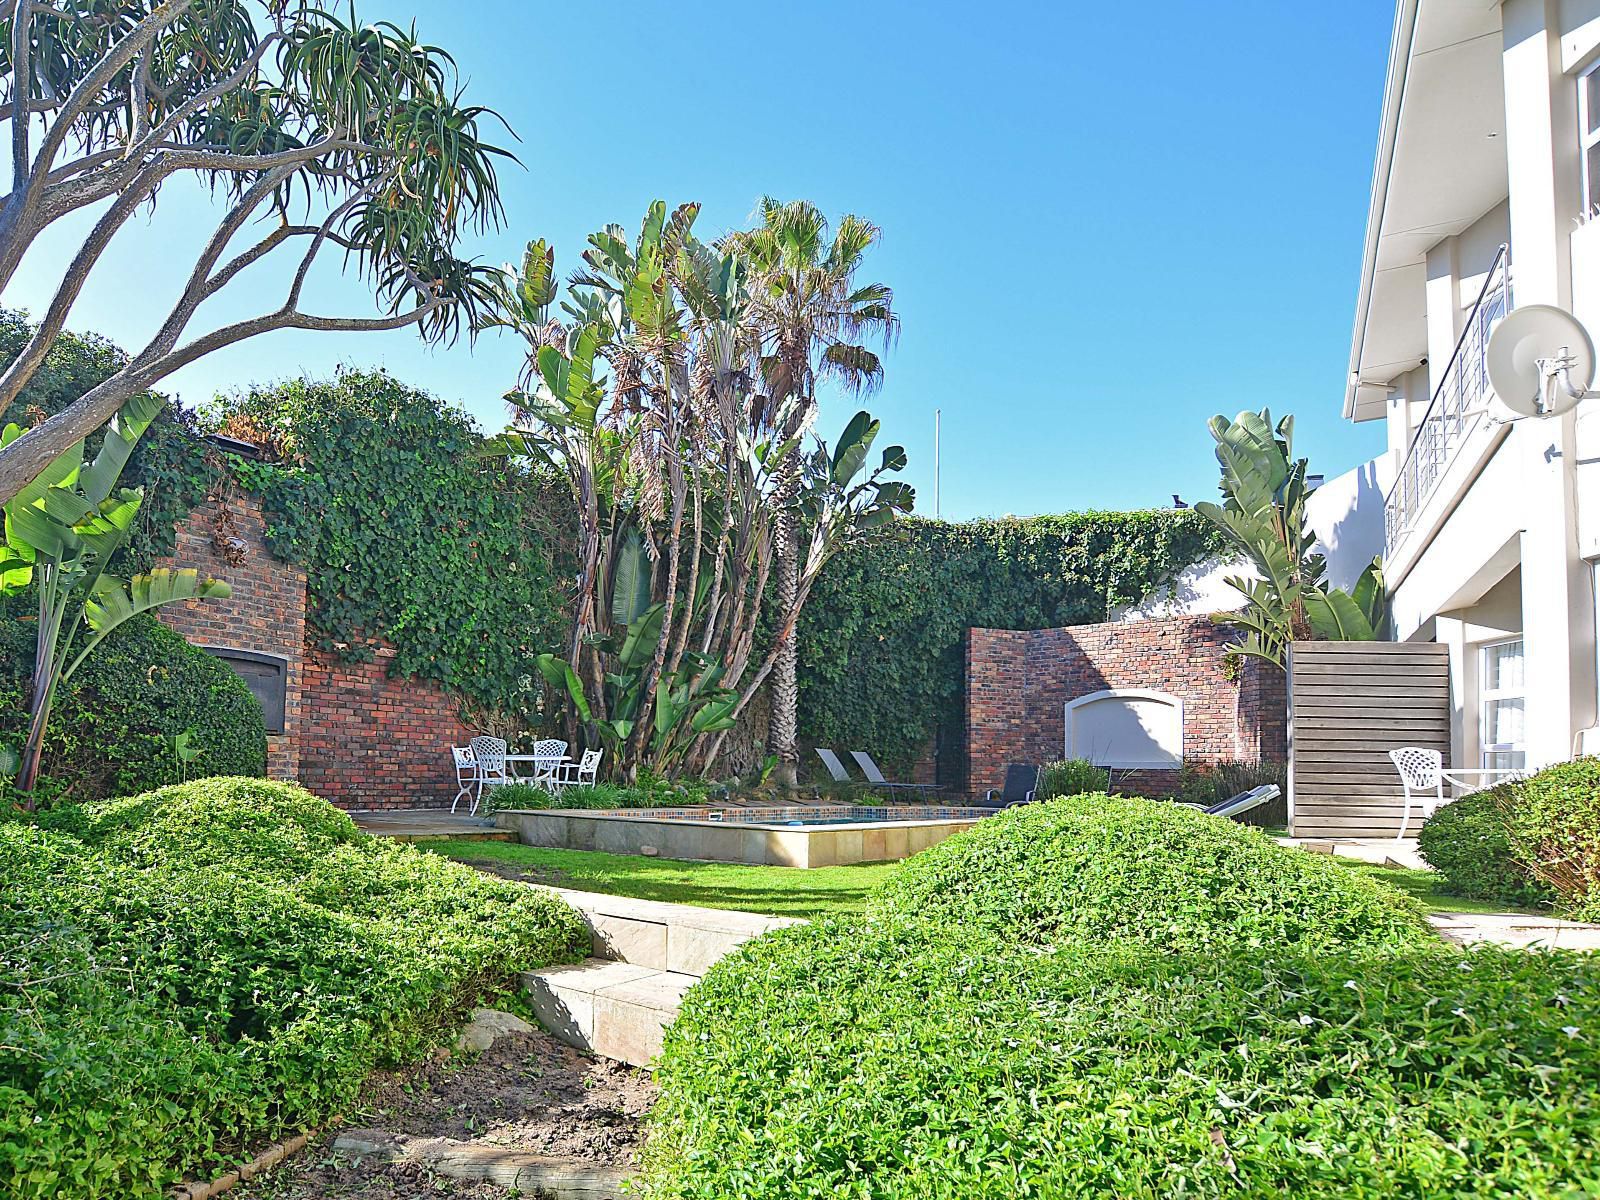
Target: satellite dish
pixel 1540 360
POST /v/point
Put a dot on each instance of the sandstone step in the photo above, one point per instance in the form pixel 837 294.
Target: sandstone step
pixel 616 1009
pixel 679 938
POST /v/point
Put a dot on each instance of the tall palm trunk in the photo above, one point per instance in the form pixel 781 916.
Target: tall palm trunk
pixel 783 724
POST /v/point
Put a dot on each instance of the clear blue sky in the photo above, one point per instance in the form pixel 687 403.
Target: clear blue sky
pixel 1100 231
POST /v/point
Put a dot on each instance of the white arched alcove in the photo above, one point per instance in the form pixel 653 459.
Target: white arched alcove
pixel 1126 728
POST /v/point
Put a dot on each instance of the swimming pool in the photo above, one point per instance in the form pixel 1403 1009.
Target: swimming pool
pixel 792 836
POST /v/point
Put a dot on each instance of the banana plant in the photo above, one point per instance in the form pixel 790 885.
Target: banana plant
pixel 1263 514
pixel 61 533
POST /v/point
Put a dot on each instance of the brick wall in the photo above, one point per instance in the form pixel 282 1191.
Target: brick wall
pixel 1018 683
pixel 372 741
pixel 266 612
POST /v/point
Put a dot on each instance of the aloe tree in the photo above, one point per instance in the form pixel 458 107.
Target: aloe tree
pixel 321 136
pixel 1263 514
pixel 61 533
pixel 681 467
pixel 813 320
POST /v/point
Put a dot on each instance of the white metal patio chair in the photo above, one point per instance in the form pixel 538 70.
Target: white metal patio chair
pixel 551 751
pixel 576 774
pixel 490 755
pixel 1423 778
pixel 466 773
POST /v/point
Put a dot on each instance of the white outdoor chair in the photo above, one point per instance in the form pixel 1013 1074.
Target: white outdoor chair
pixel 1423 777
pixel 578 774
pixel 490 755
pixel 557 750
pixel 466 773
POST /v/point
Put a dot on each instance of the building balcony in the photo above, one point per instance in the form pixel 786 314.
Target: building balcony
pixel 1457 413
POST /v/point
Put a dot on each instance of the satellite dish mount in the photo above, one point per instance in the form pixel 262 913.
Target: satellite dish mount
pixel 1541 361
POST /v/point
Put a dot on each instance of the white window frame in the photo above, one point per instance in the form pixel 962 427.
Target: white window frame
pixel 1488 695
pixel 1588 140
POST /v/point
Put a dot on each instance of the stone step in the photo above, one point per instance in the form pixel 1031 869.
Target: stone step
pixel 534 1174
pixel 616 1009
pixel 678 938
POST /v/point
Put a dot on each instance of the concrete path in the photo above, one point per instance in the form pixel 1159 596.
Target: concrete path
pixel 1383 852
pixel 1516 929
pixel 646 955
pixel 421 824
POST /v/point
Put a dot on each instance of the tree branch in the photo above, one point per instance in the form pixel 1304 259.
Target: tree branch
pixel 22 368
pixel 21 86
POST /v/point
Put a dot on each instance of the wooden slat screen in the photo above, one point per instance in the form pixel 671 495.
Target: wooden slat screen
pixel 1350 703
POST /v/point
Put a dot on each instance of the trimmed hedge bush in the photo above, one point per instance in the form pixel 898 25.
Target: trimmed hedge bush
pixel 109 734
pixel 215 963
pixel 1103 869
pixel 889 1062
pixel 1016 1017
pixel 1469 844
pixel 1554 832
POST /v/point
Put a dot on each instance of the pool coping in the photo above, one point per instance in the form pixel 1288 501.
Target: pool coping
pixel 750 842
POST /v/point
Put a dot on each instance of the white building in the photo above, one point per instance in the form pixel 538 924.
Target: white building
pixel 1488 169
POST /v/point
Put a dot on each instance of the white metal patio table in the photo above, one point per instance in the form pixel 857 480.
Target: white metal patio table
pixel 544 767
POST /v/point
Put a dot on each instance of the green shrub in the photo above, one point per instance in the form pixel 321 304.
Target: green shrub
pixel 1112 997
pixel 1469 844
pixel 907 1062
pixel 1104 869
pixel 270 954
pixel 110 732
pixel 600 795
pixel 1554 833
pixel 1071 777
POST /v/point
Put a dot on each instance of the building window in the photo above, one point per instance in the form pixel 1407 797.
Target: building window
pixel 1500 695
pixel 266 675
pixel 1589 136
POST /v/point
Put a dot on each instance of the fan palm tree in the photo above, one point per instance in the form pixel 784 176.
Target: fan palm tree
pixel 813 320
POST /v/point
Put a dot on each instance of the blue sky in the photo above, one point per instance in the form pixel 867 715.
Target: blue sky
pixel 1099 232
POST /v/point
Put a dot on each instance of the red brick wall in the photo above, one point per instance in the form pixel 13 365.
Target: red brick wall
pixel 1018 683
pixel 372 741
pixel 266 612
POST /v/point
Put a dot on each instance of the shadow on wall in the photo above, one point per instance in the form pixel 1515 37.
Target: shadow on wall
pixel 1347 515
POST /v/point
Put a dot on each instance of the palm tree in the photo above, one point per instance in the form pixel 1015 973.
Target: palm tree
pixel 813 320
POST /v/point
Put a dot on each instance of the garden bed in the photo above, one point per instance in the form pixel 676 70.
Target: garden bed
pixel 529 1092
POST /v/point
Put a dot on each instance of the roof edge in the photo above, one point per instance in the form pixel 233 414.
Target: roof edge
pixel 1394 88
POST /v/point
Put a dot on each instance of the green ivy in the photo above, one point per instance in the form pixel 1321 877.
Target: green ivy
pixel 882 638
pixel 408 537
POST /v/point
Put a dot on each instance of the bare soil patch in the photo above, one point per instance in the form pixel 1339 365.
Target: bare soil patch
pixel 529 1092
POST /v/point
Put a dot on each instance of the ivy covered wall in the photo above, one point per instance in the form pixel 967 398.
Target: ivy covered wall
pixel 410 539
pixel 881 641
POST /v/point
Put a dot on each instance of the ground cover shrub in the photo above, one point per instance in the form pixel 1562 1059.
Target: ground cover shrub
pixel 1071 777
pixel 1468 843
pixel 1104 869
pixel 1011 1018
pixel 112 729
pixel 599 795
pixel 907 1061
pixel 1553 826
pixel 271 954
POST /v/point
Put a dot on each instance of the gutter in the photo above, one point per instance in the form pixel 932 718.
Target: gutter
pixel 1394 89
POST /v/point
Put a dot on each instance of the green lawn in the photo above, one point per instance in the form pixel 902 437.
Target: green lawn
pixel 1421 884
pixel 785 891
pixel 779 891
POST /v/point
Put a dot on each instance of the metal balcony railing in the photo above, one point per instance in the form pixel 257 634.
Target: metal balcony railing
pixel 1459 405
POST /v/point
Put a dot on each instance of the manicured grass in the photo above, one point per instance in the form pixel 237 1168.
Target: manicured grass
pixel 1421 884
pixel 778 891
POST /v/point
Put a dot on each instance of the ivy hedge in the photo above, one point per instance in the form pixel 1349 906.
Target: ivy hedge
pixel 408 537
pixel 112 729
pixel 882 638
